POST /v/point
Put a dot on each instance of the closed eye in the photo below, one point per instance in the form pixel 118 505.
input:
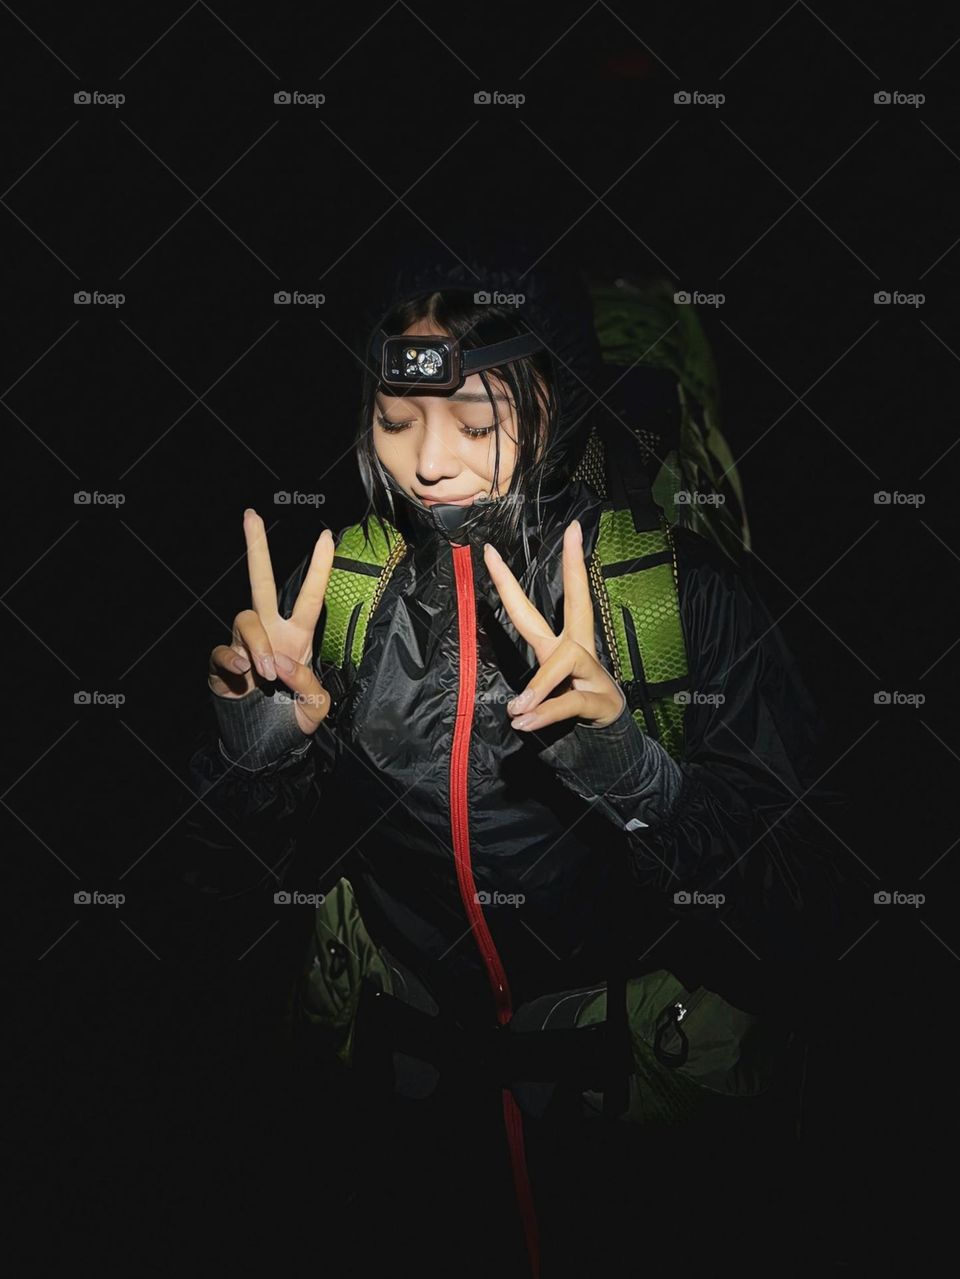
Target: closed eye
pixel 471 432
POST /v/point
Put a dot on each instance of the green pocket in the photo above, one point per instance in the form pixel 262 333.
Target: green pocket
pixel 686 1043
pixel 340 955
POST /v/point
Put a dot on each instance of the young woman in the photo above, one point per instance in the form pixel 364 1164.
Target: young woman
pixel 499 813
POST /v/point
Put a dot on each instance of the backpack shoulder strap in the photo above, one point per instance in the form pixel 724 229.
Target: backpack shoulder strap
pixel 362 565
pixel 635 580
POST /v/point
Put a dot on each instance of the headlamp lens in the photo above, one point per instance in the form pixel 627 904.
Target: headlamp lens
pixel 430 362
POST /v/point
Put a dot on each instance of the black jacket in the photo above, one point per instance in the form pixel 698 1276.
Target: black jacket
pixel 376 794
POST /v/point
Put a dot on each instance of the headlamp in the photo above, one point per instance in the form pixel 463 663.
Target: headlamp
pixel 440 363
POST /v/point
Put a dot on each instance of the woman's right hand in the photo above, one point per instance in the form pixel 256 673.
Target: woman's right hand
pixel 264 643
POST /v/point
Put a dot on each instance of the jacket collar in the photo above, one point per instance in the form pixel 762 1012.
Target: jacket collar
pixel 541 525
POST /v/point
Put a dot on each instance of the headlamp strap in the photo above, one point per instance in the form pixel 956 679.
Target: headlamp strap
pixel 487 357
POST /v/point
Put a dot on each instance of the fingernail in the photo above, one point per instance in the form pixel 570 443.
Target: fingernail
pixel 249 511
pixel 267 667
pixel 578 531
pixel 283 663
pixel 489 546
pixel 240 665
pixel 519 702
pixel 524 721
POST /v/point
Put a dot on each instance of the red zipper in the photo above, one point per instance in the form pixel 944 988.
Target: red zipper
pixel 460 828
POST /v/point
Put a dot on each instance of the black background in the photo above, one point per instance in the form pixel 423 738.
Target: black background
pixel 146 1076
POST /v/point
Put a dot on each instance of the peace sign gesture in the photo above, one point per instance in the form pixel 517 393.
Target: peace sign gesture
pixel 273 645
pixel 568 661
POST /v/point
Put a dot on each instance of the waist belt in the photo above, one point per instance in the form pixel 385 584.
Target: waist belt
pixel 590 1057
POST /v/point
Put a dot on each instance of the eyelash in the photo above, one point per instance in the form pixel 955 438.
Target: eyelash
pixel 471 432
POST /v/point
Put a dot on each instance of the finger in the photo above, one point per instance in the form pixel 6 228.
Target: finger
pixel 248 630
pixel 577 600
pixel 228 672
pixel 225 659
pixel 313 700
pixel 528 620
pixel 306 611
pixel 576 702
pixel 263 588
pixel 566 661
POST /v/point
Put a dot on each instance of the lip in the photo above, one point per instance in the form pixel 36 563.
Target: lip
pixel 447 501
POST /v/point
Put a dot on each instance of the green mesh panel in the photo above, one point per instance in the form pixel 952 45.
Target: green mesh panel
pixel 650 596
pixel 618 540
pixel 347 588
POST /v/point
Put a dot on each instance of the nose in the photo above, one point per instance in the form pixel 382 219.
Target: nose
pixel 435 461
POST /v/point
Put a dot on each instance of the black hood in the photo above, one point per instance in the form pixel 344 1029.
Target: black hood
pixel 556 307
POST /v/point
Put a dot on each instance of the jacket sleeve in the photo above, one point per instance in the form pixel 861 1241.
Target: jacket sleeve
pixel 737 815
pixel 256 778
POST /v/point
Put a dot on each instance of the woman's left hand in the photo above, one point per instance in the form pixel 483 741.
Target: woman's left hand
pixel 568 661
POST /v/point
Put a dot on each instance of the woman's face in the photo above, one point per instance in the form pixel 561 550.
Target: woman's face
pixel 446 448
